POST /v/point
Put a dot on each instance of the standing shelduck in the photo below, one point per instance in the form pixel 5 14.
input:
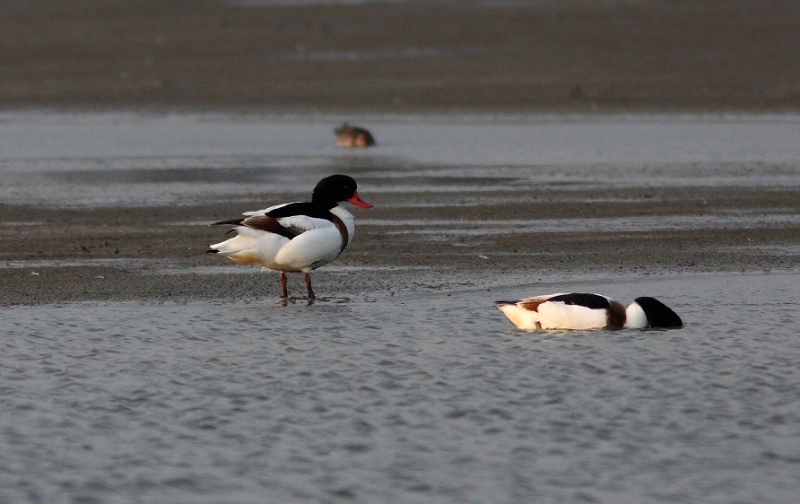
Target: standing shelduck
pixel 588 311
pixel 295 237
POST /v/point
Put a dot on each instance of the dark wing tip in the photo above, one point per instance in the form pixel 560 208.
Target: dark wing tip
pixel 229 222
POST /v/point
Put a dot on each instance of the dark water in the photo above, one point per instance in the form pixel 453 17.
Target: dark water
pixel 426 395
pixel 405 399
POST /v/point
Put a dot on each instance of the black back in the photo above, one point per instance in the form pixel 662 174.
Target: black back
pixel 583 299
pixel 302 208
pixel 327 194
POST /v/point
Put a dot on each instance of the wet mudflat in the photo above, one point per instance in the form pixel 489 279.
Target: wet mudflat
pixel 137 367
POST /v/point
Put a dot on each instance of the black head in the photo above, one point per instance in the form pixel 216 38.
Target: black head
pixel 658 314
pixel 332 190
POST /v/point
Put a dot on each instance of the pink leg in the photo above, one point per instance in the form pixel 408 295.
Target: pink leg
pixel 283 285
pixel 307 278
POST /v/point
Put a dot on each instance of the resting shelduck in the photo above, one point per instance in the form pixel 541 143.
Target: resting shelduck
pixel 588 311
pixel 295 237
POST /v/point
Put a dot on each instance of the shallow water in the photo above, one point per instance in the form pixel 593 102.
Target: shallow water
pixel 113 159
pixel 419 393
pixel 402 399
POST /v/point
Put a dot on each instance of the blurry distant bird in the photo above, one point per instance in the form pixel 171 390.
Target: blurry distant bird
pixel 353 136
pixel 580 310
pixel 295 237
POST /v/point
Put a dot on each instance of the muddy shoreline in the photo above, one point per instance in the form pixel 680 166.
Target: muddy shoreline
pixel 141 254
